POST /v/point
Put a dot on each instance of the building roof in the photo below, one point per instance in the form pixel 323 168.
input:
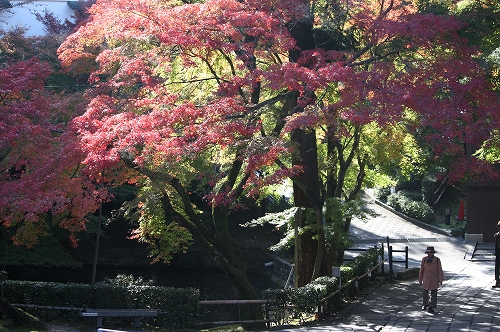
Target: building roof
pixel 75 5
pixel 5 4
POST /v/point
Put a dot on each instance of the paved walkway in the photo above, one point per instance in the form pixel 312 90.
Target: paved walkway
pixel 466 300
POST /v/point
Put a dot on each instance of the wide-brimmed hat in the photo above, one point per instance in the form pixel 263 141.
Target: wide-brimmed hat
pixel 498 223
pixel 430 249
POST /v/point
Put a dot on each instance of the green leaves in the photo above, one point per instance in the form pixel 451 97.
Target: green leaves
pixel 178 305
pixel 164 236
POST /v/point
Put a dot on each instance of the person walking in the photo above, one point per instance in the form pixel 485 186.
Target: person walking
pixel 430 277
pixel 497 256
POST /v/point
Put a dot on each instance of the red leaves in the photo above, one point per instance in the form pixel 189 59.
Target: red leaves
pixel 159 136
pixel 22 76
pixel 24 112
pixel 37 163
pixel 183 81
pixel 176 85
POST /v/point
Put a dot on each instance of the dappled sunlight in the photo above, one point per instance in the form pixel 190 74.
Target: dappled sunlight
pixel 465 299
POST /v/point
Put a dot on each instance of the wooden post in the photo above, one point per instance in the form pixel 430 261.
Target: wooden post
pixel 406 259
pixel 382 259
pixel 390 261
pixel 96 249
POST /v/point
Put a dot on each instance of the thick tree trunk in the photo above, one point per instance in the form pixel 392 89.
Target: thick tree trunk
pixel 250 312
pixel 305 251
pixel 305 246
pixel 320 265
pixel 309 262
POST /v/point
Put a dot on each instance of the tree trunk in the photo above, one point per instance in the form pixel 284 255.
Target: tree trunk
pixel 305 251
pixel 320 267
pixel 305 246
pixel 233 264
pixel 19 317
pixel 308 251
pixel 217 244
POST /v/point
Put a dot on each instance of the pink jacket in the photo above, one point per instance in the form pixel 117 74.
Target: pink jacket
pixel 431 274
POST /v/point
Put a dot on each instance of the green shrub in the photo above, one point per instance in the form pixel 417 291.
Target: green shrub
pixel 304 300
pixel 178 306
pixel 420 211
pixel 457 231
pixel 362 263
pixel 429 185
pixel 407 203
pixel 382 193
pixel 395 200
pixel 48 253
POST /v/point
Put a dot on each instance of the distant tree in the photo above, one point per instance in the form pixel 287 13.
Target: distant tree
pixel 54 26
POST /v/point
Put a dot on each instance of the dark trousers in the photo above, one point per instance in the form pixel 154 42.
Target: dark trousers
pixel 425 298
pixel 497 267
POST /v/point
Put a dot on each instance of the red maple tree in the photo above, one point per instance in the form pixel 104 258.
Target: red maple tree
pixel 219 93
pixel 36 184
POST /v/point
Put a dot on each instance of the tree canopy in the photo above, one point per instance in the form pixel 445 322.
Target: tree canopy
pixel 226 97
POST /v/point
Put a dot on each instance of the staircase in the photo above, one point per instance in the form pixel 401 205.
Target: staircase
pixel 483 251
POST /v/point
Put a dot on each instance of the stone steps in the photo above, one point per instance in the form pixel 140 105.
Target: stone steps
pixel 484 251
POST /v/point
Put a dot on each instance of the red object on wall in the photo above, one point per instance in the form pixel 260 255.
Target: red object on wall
pixel 461 214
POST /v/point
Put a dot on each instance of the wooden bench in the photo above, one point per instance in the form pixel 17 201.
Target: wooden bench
pixel 136 313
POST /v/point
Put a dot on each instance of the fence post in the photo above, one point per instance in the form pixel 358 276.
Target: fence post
pixel 406 259
pixel 390 261
pixel 268 322
pixel 381 259
pixel 389 253
pixel 320 311
pixel 337 274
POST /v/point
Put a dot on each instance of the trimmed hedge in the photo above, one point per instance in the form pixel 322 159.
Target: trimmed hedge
pixel 178 306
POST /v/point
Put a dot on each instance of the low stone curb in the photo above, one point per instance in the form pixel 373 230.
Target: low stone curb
pixel 409 273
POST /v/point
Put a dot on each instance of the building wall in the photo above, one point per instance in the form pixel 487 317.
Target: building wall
pixel 483 208
pixel 24 14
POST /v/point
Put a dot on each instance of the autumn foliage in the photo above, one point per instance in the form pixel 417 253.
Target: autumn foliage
pixel 38 158
pixel 203 65
pixel 210 93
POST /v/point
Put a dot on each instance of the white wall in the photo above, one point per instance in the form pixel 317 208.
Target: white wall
pixel 24 14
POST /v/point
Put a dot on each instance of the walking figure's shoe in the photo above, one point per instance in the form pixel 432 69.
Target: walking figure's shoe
pixel 430 310
pixel 424 307
pixel 497 284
